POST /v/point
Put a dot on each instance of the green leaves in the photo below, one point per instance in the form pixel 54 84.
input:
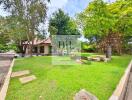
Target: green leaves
pixel 62 24
pixel 96 19
pixel 122 9
pixel 25 18
pixel 99 18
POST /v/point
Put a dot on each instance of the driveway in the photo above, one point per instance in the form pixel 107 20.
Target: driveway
pixel 5 61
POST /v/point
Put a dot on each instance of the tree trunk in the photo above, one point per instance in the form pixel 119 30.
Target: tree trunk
pixel 108 52
pixel 31 47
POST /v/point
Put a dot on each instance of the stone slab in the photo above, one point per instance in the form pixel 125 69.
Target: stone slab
pixel 84 95
pixel 20 73
pixel 27 79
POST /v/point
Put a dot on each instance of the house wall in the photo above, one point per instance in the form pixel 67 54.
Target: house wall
pixel 46 49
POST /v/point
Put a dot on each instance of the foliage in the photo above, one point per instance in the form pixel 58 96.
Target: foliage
pixel 96 20
pixel 99 19
pixel 4 37
pixel 61 24
pixel 122 9
pixel 28 15
pixel 88 47
pixel 11 30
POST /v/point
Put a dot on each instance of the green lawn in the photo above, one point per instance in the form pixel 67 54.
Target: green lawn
pixel 61 82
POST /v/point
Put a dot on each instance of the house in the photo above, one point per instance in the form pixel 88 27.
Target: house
pixel 40 47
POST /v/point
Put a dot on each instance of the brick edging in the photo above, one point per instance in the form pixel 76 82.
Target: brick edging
pixel 6 82
pixel 119 92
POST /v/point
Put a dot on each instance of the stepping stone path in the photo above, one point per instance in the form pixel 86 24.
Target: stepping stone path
pixel 20 73
pixel 84 95
pixel 27 79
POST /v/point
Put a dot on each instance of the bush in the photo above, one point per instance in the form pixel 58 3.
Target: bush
pixel 86 62
pixel 88 47
pixel 13 47
pixel 5 48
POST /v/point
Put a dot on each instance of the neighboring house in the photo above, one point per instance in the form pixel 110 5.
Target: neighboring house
pixel 42 47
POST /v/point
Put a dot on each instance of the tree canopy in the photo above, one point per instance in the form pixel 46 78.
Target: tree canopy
pixel 100 19
pixel 26 16
pixel 61 24
pixel 96 20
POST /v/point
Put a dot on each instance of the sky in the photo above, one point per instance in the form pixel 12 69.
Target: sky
pixel 71 7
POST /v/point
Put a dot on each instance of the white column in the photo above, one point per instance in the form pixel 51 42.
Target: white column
pixel 46 49
pixel 38 48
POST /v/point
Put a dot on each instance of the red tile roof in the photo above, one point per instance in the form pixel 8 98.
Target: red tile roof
pixel 38 41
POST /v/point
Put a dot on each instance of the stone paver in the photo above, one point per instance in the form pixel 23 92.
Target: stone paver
pixel 20 73
pixel 27 79
pixel 84 95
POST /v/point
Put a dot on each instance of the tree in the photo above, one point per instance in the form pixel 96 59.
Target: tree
pixel 4 37
pixel 100 19
pixel 96 20
pixel 29 14
pixel 61 24
pixel 122 9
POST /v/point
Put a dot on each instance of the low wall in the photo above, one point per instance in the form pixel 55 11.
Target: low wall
pixel 120 90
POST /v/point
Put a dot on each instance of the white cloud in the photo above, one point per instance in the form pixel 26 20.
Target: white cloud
pixel 56 4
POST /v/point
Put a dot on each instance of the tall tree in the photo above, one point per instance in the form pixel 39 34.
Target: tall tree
pixel 122 9
pixel 29 13
pixel 4 36
pixel 96 20
pixel 61 24
pixel 100 19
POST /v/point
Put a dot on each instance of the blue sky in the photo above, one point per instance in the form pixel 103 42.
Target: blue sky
pixel 69 6
pixel 75 6
pixel 72 7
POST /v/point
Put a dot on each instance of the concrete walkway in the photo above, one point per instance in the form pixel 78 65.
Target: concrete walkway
pixel 5 61
pixel 128 95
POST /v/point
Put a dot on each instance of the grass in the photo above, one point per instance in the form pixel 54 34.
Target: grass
pixel 61 82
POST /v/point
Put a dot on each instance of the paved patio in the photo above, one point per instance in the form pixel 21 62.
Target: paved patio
pixel 5 61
